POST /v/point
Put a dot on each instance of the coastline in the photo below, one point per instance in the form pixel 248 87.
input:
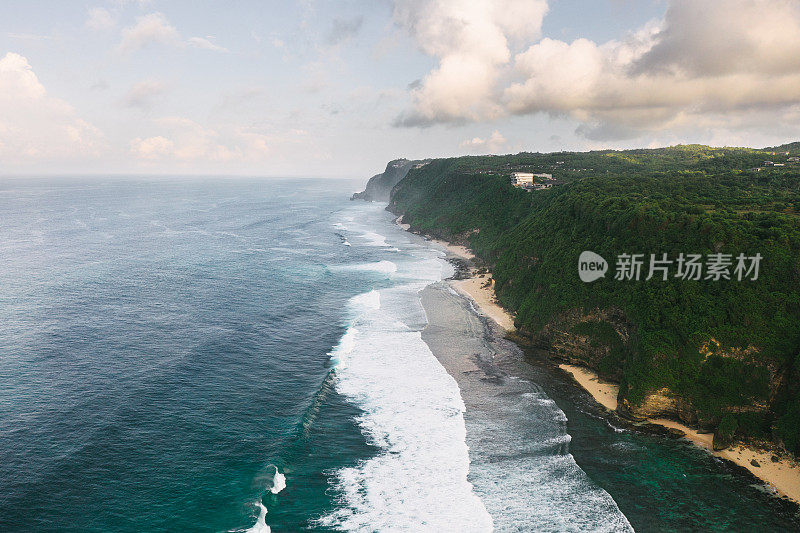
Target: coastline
pixel 477 290
pixel 519 461
pixel 781 474
pixel 477 287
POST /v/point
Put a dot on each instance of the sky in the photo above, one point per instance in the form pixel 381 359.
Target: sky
pixel 339 88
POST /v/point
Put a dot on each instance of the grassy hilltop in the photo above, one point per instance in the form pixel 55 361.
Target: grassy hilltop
pixel 723 355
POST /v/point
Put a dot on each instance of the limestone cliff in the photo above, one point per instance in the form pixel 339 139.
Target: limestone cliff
pixel 380 185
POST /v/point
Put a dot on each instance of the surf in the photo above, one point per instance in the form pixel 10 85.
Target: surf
pixel 413 413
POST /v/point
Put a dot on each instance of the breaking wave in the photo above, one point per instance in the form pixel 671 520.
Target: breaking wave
pixel 412 412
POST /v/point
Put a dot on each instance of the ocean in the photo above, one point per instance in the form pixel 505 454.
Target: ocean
pixel 186 354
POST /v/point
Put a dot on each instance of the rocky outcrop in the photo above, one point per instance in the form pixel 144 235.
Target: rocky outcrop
pixel 380 185
pixel 597 339
pixel 657 404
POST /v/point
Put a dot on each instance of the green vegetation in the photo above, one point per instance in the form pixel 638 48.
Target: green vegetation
pixel 606 340
pixel 724 347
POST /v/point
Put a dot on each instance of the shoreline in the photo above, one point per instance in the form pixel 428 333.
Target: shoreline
pixel 477 287
pixel 781 476
pixel 519 466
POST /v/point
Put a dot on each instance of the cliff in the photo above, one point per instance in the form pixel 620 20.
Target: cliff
pixel 380 185
pixel 723 355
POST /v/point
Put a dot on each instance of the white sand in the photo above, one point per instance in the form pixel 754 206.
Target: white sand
pixel 603 392
pixel 455 249
pixel 478 290
pixel 472 287
pixel 484 298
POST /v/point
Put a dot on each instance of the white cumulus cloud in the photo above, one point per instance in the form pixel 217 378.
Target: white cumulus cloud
pixel 472 42
pixel 36 126
pixel 182 139
pixel 704 61
pixel 492 144
pixel 205 44
pixel 156 29
pixel 152 147
pixel 100 19
pixel 149 29
pixel 144 94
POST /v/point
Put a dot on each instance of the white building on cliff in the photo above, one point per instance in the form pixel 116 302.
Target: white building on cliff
pixel 521 179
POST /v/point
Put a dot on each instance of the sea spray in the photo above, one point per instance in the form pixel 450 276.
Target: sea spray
pixel 278 481
pixel 382 267
pixel 261 523
pixel 374 239
pixel 413 412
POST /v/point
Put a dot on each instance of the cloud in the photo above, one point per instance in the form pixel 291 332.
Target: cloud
pixel 184 140
pixel 29 36
pixel 491 144
pixel 343 30
pixel 152 147
pixel 155 29
pixel 704 61
pixel 100 19
pixel 205 44
pixel 143 95
pixel 34 125
pixel 140 3
pixel 707 38
pixel 472 42
pixel 148 30
pixel 189 144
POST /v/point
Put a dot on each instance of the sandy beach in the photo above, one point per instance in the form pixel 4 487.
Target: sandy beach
pixel 782 475
pixel 479 288
pixel 519 466
pixel 604 393
pixel 527 461
pixel 483 296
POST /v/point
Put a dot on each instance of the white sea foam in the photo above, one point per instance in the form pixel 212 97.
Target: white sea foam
pixel 261 523
pixel 368 301
pixel 278 482
pixel 228 234
pixel 413 412
pixel 375 239
pixel 345 346
pixel 385 267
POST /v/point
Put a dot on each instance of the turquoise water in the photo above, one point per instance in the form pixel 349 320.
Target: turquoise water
pixel 660 484
pixel 167 345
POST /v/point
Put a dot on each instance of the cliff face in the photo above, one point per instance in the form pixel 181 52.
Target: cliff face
pixel 598 339
pixel 723 356
pixel 380 185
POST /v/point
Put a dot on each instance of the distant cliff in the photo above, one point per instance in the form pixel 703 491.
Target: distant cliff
pixel 380 185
